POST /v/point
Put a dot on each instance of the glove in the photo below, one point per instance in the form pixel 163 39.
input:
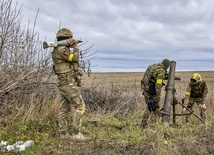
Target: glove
pixel 72 43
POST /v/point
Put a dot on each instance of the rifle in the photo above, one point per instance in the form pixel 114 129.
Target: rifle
pixel 58 43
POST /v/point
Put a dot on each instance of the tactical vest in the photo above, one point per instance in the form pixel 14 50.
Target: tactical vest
pixel 63 69
pixel 197 93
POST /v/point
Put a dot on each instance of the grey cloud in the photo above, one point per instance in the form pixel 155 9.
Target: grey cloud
pixel 134 30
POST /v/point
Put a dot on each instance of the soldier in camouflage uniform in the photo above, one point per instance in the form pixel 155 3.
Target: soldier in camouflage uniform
pixel 196 92
pixel 65 67
pixel 151 85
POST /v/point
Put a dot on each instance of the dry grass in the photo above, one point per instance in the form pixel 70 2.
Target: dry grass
pixel 117 134
pixel 130 82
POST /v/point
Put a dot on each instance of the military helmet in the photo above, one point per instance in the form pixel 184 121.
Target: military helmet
pixel 196 77
pixel 166 63
pixel 64 32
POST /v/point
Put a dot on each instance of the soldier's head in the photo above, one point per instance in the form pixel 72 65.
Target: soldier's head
pixel 166 63
pixel 63 34
pixel 196 79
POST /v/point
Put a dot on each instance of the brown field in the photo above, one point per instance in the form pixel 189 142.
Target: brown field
pixel 130 82
pixel 114 131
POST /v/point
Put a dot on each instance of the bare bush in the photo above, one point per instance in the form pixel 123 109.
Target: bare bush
pixel 23 63
pixel 26 79
pixel 108 99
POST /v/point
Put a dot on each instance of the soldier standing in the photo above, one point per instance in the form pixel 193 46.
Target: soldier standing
pixel 196 92
pixel 151 85
pixel 66 68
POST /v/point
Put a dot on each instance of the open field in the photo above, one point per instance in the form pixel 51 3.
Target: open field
pixel 129 82
pixel 117 128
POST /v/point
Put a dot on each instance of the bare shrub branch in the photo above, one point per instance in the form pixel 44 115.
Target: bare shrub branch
pixel 27 82
pixel 108 99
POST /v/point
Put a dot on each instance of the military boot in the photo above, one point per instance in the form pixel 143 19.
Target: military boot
pixel 64 143
pixel 80 138
pixel 65 136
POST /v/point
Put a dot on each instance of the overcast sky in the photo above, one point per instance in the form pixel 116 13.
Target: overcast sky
pixel 129 35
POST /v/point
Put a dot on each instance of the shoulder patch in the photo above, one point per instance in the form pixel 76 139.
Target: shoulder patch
pixel 152 70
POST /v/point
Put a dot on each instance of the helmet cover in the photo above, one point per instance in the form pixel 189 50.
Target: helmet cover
pixel 166 63
pixel 196 77
pixel 64 32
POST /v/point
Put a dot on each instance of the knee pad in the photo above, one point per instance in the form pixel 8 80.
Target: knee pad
pixel 79 105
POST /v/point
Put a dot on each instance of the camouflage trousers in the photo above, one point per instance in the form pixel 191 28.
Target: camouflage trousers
pixel 150 117
pixel 70 98
pixel 199 102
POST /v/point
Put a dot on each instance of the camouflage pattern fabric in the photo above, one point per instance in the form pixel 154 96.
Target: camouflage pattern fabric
pixel 64 32
pixel 157 76
pixel 196 94
pixel 70 95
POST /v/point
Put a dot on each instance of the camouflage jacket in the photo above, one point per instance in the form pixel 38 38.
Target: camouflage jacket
pixel 155 73
pixel 64 63
pixel 199 91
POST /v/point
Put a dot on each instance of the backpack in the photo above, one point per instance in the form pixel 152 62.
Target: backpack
pixel 148 75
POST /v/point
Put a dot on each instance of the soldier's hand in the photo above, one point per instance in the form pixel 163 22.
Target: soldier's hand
pixel 203 106
pixel 72 43
pixel 184 110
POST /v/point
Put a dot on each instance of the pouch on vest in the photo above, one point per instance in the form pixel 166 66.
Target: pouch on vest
pixel 151 104
pixel 63 68
pixel 62 79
